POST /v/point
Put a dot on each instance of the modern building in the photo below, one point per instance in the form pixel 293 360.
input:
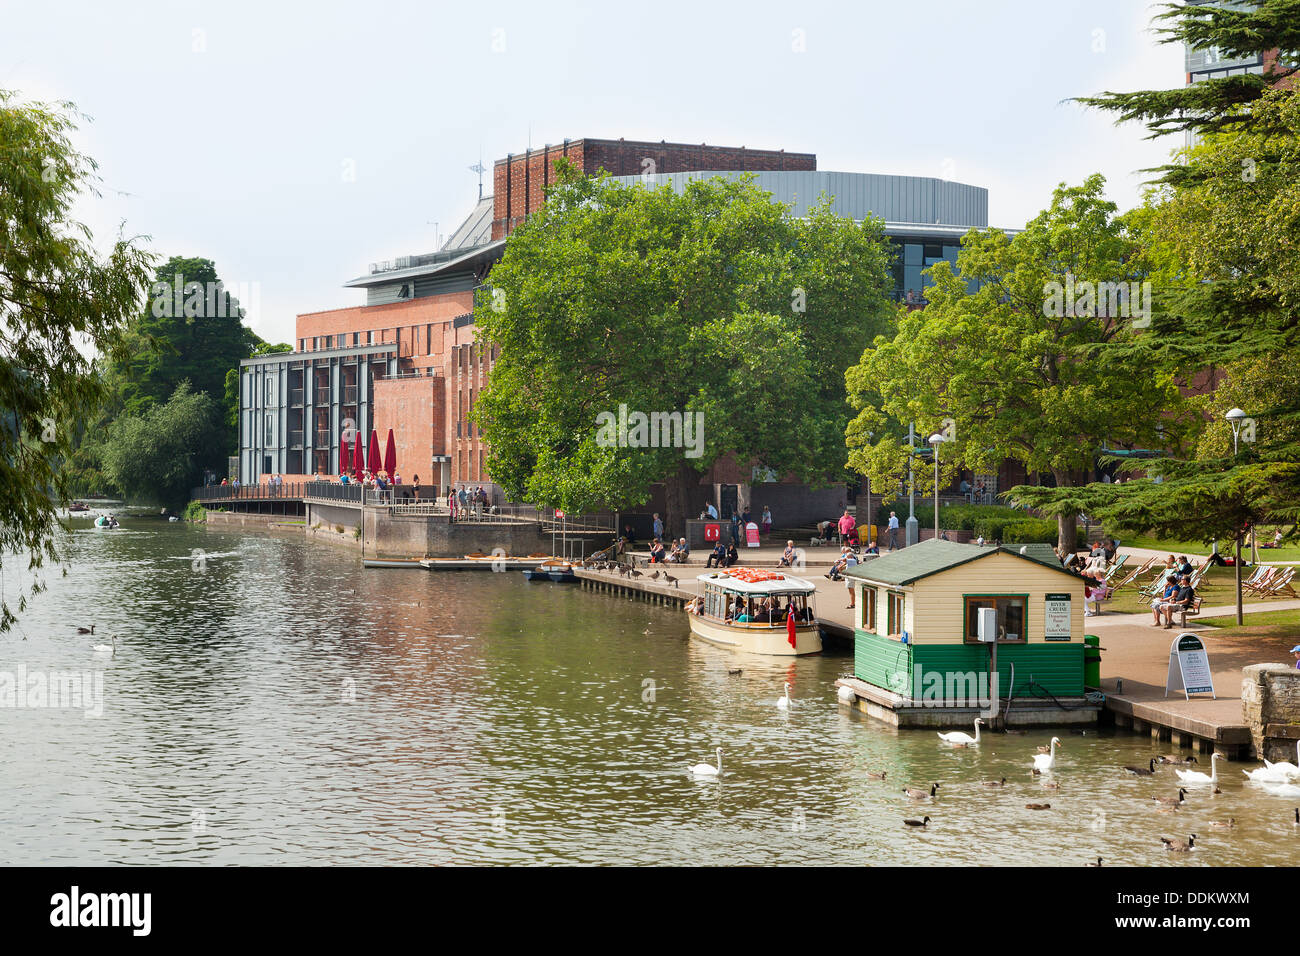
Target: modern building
pixel 406 359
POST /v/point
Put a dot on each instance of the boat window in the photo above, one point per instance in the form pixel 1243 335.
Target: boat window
pixel 1011 617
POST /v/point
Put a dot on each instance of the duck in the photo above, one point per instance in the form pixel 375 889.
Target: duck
pixel 783 703
pixel 1227 824
pixel 1098 863
pixel 962 738
pixel 1197 777
pixel 1142 771
pixel 86 630
pixel 917 823
pixel 1178 846
pixel 994 783
pixel 876 774
pixel 1048 760
pixel 736 671
pixel 109 649
pixel 707 769
pixel 1171 758
pixel 1051 785
pixel 918 794
pixel 1038 806
pixel 1172 801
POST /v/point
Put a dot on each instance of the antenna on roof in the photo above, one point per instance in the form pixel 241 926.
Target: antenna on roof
pixel 480 169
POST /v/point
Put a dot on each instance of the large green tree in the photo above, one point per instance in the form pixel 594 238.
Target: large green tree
pixel 715 301
pixel 60 301
pixel 158 455
pixel 1019 366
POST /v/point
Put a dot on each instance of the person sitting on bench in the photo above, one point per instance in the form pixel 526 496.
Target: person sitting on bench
pixel 787 556
pixel 1181 602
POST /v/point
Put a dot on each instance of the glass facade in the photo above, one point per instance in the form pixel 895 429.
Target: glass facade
pixel 913 257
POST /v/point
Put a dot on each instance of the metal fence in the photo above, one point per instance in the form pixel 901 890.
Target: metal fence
pixel 264 492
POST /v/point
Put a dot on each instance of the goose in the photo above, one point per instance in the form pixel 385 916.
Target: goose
pixel 877 774
pixel 1142 771
pixel 1048 760
pixel 1038 806
pixel 994 783
pixel 962 738
pixel 783 703
pixel 670 579
pixel 917 794
pixel 1197 777
pixel 1172 801
pixel 1285 790
pixel 1227 824
pixel 735 671
pixel 1297 817
pixel 1178 846
pixel 707 769
pixel 86 630
pixel 846 695
pixel 1098 863
pixel 917 823
pixel 109 649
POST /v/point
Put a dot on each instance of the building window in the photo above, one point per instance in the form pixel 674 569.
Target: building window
pixel 302 345
pixel 270 431
pixel 894 622
pixel 1011 617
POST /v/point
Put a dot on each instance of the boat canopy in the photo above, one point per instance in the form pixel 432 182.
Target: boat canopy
pixel 757 581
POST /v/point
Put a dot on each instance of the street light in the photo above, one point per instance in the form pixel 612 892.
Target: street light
pixel 1235 417
pixel 936 440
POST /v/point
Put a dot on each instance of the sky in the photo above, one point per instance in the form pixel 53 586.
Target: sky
pixel 295 143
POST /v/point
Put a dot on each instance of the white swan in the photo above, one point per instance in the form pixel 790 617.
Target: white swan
pixel 1285 790
pixel 961 737
pixel 783 703
pixel 110 649
pixel 1196 776
pixel 1279 772
pixel 1048 760
pixel 707 769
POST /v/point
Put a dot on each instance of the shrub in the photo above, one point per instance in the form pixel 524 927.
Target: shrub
pixel 195 512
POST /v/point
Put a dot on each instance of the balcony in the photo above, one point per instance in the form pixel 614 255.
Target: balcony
pixel 295 396
pixel 322 395
pixel 349 394
pixel 322 438
pixel 295 438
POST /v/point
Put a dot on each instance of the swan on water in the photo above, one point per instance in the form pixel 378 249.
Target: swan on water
pixel 1279 772
pixel 1196 776
pixel 783 703
pixel 1285 790
pixel 110 649
pixel 963 738
pixel 1048 760
pixel 707 769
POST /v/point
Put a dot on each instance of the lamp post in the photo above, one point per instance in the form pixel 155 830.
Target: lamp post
pixel 1235 417
pixel 913 529
pixel 936 440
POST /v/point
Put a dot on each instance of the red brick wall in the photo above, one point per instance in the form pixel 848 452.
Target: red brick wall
pixel 414 408
pixel 519 181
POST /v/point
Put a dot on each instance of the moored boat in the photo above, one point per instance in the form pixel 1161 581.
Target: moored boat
pixel 552 569
pixel 749 610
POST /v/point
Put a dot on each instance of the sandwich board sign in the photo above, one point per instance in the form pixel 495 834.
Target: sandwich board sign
pixel 751 535
pixel 1189 666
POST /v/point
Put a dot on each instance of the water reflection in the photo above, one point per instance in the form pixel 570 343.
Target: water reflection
pixel 275 703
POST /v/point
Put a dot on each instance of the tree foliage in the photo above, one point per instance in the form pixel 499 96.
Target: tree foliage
pixel 158 455
pixel 59 300
pixel 714 301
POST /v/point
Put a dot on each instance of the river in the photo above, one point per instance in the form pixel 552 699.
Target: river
pixel 272 702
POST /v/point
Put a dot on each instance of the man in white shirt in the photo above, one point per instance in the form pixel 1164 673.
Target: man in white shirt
pixel 712 511
pixel 893 531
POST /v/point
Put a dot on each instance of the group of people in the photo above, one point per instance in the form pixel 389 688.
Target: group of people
pixel 465 502
pixel 768 610
pixel 680 554
pixel 723 555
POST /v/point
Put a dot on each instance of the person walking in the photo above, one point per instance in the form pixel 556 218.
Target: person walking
pixel 767 520
pixel 415 487
pixel 846 526
pixel 850 561
pixel 893 531
pixel 658 527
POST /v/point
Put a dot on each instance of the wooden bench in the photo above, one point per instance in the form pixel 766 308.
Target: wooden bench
pixel 1193 610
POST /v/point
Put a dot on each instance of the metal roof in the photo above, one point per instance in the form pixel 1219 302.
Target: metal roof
pixel 429 265
pixel 476 230
pixel 936 556
pixel 275 358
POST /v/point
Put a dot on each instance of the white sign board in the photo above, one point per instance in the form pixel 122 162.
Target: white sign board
pixel 1056 617
pixel 1189 667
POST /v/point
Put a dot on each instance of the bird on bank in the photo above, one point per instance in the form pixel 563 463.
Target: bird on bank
pixel 1179 846
pixel 86 630
pixel 961 738
pixel 918 794
pixel 670 579
pixel 707 769
pixel 1048 760
pixel 1142 771
pixel 1172 801
pixel 917 823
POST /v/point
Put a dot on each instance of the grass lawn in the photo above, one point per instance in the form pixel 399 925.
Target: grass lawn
pixel 1218 587
pixel 1288 552
pixel 1287 620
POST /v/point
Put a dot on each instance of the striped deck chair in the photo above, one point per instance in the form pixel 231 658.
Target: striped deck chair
pixel 1281 585
pixel 1119 562
pixel 1135 574
pixel 1198 573
pixel 1260 579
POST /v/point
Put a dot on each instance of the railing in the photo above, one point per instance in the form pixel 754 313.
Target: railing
pixel 295 438
pixel 576 524
pixel 322 438
pixel 261 492
pixel 332 491
pixel 349 394
pixel 322 396
pixel 295 396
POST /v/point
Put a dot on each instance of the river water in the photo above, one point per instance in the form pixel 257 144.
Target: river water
pixel 270 702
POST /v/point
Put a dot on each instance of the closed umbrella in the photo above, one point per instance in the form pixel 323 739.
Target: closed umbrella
pixel 358 458
pixel 390 455
pixel 344 457
pixel 372 455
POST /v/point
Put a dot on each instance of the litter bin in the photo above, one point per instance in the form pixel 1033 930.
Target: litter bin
pixel 1092 661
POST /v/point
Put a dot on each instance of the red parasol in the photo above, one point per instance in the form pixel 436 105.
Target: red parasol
pixel 390 455
pixel 343 456
pixel 372 455
pixel 789 626
pixel 358 458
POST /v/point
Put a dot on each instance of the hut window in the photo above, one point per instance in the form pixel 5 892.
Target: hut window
pixel 1011 617
pixel 894 623
pixel 868 604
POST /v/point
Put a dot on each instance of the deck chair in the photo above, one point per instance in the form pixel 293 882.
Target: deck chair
pixel 1134 574
pixel 1118 563
pixel 1199 572
pixel 1281 585
pixel 1260 579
